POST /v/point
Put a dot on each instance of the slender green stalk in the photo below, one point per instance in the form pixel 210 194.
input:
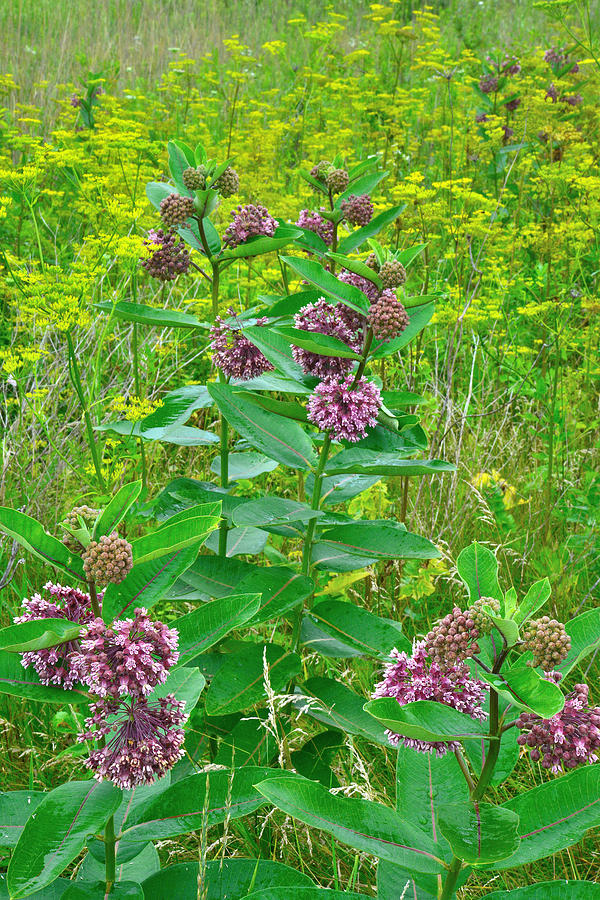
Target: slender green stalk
pixel 94 600
pixel 138 390
pixel 493 750
pixel 310 532
pixel 110 854
pixel 76 381
pixel 451 878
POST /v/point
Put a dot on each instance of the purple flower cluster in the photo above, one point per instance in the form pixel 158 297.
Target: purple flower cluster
pixel 569 738
pixel 358 210
pixel 249 221
pixel 146 739
pixel 233 353
pixel 314 222
pixel 418 677
pixel 168 258
pixel 343 408
pixel 363 284
pixel 488 84
pixel 557 59
pixel 332 319
pixel 54 665
pixel 570 99
pixel 131 656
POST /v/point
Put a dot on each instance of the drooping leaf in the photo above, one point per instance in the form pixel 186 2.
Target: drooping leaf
pixel 31 535
pixel 117 509
pixel 207 624
pixel 92 889
pixel 278 351
pixel 362 824
pixel 359 629
pixel 375 462
pixel 245 541
pixel 284 234
pixel 240 682
pixel 245 465
pixel 478 833
pixel 273 510
pixel 425 720
pixel 419 317
pixel 177 407
pixel 183 806
pixel 223 879
pixel 278 438
pixel 142 866
pixel 551 890
pixel 157 317
pixel 380 539
pixel 57 831
pixel 37 634
pixel 322 344
pixel 331 702
pixel 555 815
pixel 281 589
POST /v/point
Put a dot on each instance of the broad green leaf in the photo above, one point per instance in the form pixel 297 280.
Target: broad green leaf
pixel 117 509
pixel 57 832
pixel 362 824
pixel 425 720
pixel 394 881
pixel 380 539
pixel 255 246
pixel 246 541
pixel 278 351
pixel 207 624
pixel 192 531
pixel 20 682
pixel 177 406
pixel 584 631
pixel 320 641
pixel 278 438
pixel 322 344
pixel 524 687
pixel 15 808
pixel 315 757
pixel 223 879
pixel 551 890
pixel 180 436
pixel 290 304
pixel 375 462
pixel 249 743
pixel 478 568
pixel 137 869
pixel 354 240
pixel 419 317
pixel 31 535
pixel 314 272
pixel 478 833
pixel 96 889
pixel 331 702
pixel 37 634
pixel 178 163
pixel 507 757
pixel 146 584
pixel 273 510
pixel 508 628
pixel 184 805
pixel 555 815
pixel 423 782
pixel 54 891
pixel 245 465
pixel 281 589
pixel 341 488
pixel 357 628
pixel 411 253
pixel 364 185
pixel 304 893
pixel 186 683
pixel 533 600
pixel 240 682
pixel 155 316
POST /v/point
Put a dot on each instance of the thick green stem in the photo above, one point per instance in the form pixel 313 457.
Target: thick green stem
pixel 94 600
pixel 310 531
pixel 493 750
pixel 76 381
pixel 110 853
pixel 449 885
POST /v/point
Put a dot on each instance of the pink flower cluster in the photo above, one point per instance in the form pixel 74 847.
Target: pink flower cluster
pixel 333 319
pixel 54 665
pixel 314 222
pixel 567 739
pixel 233 353
pixel 343 408
pixel 146 739
pixel 249 221
pixel 418 677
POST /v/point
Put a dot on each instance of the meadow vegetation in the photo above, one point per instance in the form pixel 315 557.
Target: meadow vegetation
pixel 484 119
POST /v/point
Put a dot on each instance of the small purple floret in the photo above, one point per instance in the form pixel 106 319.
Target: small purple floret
pixel 344 410
pixel 233 353
pixel 249 221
